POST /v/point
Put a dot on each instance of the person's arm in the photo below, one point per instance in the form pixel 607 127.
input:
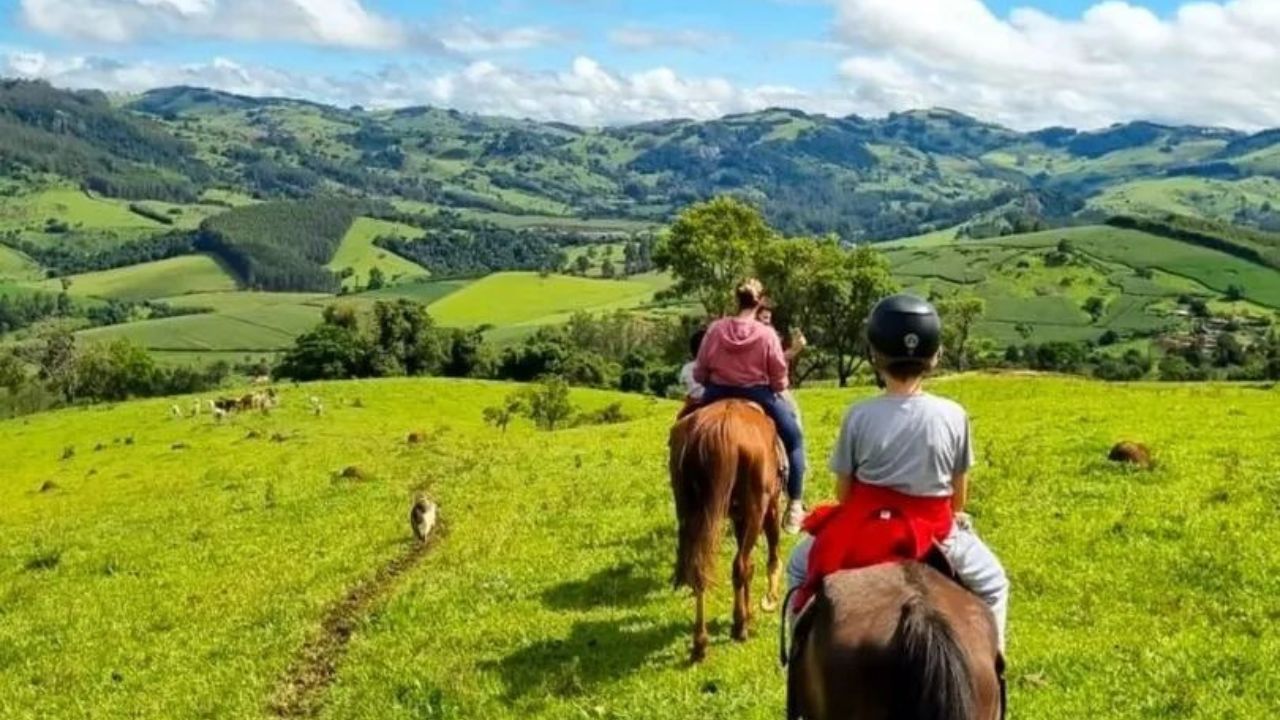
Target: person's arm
pixel 844 483
pixel 776 364
pixel 702 365
pixel 960 491
pixel 960 473
pixel 798 344
pixel 844 464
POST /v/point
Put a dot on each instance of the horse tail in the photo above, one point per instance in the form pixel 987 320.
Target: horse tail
pixel 704 467
pixel 933 673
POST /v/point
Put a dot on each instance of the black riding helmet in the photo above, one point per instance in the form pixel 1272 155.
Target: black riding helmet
pixel 904 328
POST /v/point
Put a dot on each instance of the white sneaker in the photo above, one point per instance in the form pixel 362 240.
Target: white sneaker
pixel 794 518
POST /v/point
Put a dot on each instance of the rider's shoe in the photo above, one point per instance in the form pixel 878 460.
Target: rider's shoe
pixel 794 517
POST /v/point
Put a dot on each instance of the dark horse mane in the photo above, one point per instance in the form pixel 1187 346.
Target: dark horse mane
pixel 894 641
pixel 932 678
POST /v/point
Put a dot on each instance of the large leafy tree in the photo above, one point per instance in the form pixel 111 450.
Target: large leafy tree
pixel 711 247
pixel 843 287
pixel 960 312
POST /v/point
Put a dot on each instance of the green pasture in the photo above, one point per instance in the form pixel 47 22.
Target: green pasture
pixel 72 206
pixel 506 299
pixel 358 252
pixel 148 281
pixel 15 266
pixel 160 568
pixel 243 327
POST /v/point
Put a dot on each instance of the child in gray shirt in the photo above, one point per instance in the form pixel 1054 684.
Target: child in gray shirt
pixel 916 444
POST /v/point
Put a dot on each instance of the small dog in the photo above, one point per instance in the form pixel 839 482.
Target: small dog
pixel 422 517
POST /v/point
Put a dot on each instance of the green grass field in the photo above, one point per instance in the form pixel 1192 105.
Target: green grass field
pixel 510 299
pixel 358 252
pixel 14 266
pixel 185 572
pixel 71 206
pixel 164 278
pixel 244 326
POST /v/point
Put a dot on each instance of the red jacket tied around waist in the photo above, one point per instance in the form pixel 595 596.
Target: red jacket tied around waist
pixel 873 525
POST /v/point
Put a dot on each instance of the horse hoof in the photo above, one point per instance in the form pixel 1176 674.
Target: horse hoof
pixel 698 655
pixel 741 635
pixel 769 605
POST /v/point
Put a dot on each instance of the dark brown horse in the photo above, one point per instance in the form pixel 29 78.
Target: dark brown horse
pixel 895 642
pixel 724 463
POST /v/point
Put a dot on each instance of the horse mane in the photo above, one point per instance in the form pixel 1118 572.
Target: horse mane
pixel 933 677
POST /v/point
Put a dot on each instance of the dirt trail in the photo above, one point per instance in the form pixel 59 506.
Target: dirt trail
pixel 301 691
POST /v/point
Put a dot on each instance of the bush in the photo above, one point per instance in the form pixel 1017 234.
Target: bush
pixel 548 404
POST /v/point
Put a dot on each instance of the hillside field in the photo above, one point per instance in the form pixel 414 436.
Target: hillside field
pixel 1016 277
pixel 182 568
pixel 526 299
pixel 358 252
pixel 182 275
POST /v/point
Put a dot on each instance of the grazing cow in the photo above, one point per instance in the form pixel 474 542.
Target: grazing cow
pixel 176 412
pixel 195 408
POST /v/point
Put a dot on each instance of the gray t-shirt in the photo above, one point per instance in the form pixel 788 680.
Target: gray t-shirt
pixel 909 444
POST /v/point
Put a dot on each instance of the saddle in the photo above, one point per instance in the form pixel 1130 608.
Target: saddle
pixel 692 406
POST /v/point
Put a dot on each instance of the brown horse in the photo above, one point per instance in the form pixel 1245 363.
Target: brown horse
pixel 895 642
pixel 724 462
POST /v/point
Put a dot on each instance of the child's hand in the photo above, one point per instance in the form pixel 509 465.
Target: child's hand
pixel 964 521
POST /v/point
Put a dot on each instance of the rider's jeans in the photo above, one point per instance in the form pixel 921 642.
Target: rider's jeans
pixel 784 419
pixel 977 566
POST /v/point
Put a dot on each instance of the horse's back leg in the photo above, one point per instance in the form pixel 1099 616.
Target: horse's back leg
pixel 772 536
pixel 700 637
pixel 747 527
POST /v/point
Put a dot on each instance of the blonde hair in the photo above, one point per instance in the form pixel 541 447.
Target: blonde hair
pixel 749 293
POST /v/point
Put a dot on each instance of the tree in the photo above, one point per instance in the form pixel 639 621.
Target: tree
pixel 57 363
pixel 710 248
pixel 377 278
pixel 500 416
pixel 548 404
pixel 467 355
pixel 115 371
pixel 960 312
pixel 13 372
pixel 329 352
pixel 1235 292
pixel 404 340
pixel 607 269
pixel 1096 307
pixel 582 265
pixel 843 288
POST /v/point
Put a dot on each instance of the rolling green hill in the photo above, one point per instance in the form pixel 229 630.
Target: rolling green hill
pixel 185 568
pixel 150 281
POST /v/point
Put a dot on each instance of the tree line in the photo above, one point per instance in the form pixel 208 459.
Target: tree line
pixel 59 371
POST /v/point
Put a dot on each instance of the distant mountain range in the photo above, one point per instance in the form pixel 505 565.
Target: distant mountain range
pixel 865 179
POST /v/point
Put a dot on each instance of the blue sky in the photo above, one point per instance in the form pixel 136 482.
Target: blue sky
pixel 1083 62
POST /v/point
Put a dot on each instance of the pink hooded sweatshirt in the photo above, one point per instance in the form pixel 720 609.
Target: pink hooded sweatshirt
pixel 742 353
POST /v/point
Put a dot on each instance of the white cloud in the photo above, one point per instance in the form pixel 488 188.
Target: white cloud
pixel 1209 63
pixel 345 23
pixel 636 37
pixel 585 93
pixel 470 38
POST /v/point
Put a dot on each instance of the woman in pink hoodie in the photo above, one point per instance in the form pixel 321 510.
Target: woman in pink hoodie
pixel 741 357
